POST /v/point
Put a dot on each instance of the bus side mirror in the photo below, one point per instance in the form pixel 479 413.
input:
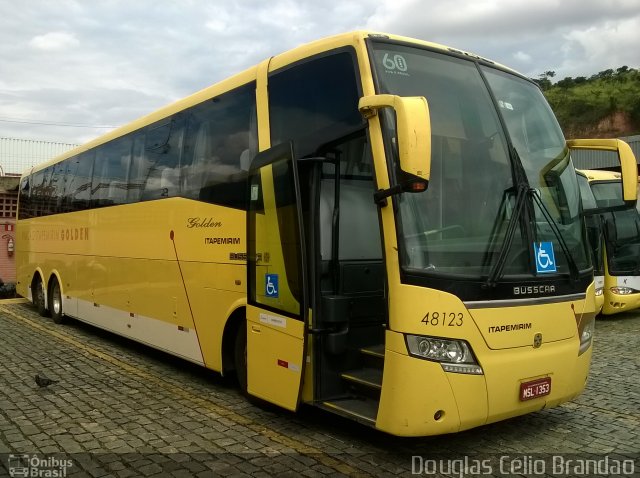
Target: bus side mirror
pixel 413 130
pixel 628 164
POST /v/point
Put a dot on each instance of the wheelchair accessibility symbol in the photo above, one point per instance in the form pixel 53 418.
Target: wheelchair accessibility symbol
pixel 545 259
pixel 271 285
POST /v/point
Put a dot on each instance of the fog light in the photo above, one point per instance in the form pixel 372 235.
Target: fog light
pixel 471 369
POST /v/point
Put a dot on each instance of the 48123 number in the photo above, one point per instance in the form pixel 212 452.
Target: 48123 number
pixel 443 319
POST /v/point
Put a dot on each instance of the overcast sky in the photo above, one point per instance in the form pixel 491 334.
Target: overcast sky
pixel 103 63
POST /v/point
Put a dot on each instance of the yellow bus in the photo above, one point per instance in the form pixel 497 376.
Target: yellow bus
pixel 385 228
pixel 621 244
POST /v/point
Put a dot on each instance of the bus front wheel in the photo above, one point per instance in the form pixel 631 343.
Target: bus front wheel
pixel 55 302
pixel 240 356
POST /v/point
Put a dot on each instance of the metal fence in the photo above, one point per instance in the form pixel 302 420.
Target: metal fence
pixel 17 155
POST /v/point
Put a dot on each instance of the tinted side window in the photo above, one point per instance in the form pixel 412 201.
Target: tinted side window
pixel 221 141
pixel 78 189
pixel 161 165
pixel 57 184
pixel 137 170
pixel 41 192
pixel 109 185
pixel 24 200
pixel 608 193
pixel 37 192
pixel 314 102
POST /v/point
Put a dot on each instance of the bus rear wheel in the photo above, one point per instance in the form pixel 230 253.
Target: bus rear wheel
pixel 37 293
pixel 55 302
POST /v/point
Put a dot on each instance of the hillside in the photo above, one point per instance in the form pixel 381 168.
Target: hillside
pixel 604 105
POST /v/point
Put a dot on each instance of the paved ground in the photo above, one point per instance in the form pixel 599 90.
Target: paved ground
pixel 123 410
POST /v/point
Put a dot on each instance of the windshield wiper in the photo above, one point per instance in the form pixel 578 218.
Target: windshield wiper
pixel 523 190
pixel 512 227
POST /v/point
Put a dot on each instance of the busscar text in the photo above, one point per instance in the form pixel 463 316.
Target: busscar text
pixel 533 289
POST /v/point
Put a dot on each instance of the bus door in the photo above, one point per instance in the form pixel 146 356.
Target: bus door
pixel 277 309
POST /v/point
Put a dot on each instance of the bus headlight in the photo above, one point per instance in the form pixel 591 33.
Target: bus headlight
pixel 586 335
pixel 599 291
pixel 453 355
pixel 622 290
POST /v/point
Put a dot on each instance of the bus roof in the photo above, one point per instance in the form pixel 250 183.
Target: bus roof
pixel 248 75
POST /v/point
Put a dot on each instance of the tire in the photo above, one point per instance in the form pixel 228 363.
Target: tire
pixel 37 293
pixel 240 356
pixel 55 302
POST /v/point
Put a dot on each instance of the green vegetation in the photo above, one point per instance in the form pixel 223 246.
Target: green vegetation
pixel 606 104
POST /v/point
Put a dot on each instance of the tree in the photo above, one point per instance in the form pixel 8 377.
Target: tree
pixel 568 82
pixel 543 83
pixel 543 80
pixel 605 73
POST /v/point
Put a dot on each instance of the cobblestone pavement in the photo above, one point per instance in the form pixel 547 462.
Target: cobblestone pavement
pixel 120 409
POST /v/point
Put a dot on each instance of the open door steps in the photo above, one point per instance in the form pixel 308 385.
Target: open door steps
pixel 363 386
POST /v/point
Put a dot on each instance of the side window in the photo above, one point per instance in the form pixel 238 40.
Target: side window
pixel 57 185
pixel 109 185
pixel 137 170
pixel 48 203
pixel 24 198
pixel 608 193
pixel 221 141
pixel 163 151
pixel 37 192
pixel 41 193
pixel 314 102
pixel 78 190
pixel 359 236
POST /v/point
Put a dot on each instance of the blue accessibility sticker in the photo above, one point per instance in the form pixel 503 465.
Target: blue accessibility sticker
pixel 271 285
pixel 545 258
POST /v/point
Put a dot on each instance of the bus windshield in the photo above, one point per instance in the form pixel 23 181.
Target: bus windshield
pixel 621 230
pixel 493 135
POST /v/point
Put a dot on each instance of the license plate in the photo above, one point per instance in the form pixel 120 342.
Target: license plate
pixel 535 388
